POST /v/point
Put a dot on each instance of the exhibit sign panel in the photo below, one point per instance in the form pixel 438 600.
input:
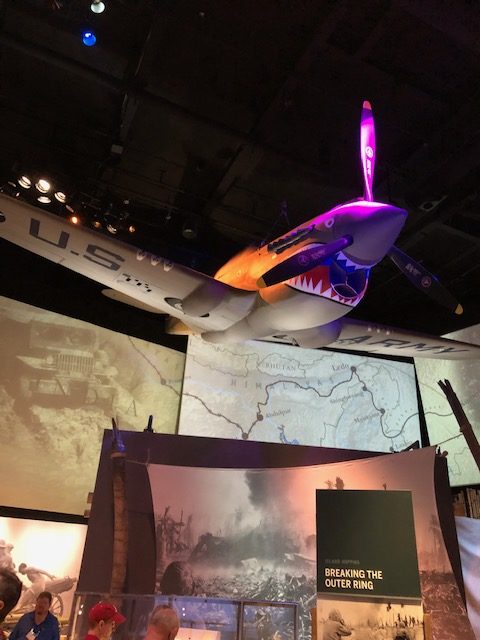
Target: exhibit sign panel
pixel 366 544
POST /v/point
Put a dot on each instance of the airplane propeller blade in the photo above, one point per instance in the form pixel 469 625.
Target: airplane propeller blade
pixel 303 261
pixel 367 149
pixel 424 280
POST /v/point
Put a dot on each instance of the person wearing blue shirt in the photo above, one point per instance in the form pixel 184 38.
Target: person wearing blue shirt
pixel 38 624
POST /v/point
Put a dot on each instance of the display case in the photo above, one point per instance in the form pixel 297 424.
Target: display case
pixel 200 618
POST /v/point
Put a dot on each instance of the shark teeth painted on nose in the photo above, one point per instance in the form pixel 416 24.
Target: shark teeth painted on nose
pixel 316 282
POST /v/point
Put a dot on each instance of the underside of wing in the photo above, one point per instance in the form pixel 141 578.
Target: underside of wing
pixel 356 335
pixel 369 337
pixel 130 275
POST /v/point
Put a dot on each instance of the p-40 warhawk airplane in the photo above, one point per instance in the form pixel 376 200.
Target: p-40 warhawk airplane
pixel 296 289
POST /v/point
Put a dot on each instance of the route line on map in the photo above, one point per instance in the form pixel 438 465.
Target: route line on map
pixel 353 371
pixel 163 381
pixel 213 413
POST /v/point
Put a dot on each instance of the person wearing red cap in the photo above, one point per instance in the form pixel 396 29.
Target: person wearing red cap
pixel 103 619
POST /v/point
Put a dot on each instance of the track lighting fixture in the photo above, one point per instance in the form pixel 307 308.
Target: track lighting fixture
pixel 43 185
pixel 25 182
pixel 97 6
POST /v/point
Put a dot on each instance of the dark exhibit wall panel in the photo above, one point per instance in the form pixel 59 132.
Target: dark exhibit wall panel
pixel 366 544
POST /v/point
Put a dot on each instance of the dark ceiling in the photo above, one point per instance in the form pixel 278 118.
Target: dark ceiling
pixel 216 113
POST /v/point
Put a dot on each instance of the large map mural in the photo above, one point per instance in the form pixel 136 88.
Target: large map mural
pixel 278 393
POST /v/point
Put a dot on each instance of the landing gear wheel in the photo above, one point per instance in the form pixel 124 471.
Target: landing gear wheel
pixel 57 606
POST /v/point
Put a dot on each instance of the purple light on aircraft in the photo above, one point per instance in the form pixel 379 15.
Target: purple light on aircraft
pixel 367 149
pixel 374 227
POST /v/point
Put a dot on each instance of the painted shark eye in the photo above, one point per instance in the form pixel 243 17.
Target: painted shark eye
pixel 330 222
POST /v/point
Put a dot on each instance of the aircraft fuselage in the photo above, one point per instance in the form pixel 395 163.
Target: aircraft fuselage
pixel 318 296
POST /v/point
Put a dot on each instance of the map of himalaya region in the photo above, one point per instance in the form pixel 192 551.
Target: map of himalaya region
pixel 278 393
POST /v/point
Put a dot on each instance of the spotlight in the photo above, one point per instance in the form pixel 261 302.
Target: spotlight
pixel 97 6
pixel 97 223
pixel 74 219
pixel 131 228
pixel 89 38
pixel 43 185
pixel 112 227
pixel 25 182
pixel 44 199
pixel 60 196
pixel 190 228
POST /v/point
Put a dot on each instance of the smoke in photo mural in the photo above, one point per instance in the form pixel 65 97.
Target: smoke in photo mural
pixel 251 533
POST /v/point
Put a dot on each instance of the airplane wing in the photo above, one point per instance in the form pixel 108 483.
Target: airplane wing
pixel 374 338
pixel 203 303
pixel 130 275
pixel 356 335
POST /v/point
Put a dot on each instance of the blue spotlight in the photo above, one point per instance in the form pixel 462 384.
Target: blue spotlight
pixel 89 38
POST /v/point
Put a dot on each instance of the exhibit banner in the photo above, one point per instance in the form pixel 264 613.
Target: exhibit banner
pixel 366 544
pixel 251 533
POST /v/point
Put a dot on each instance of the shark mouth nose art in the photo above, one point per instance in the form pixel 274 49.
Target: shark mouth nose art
pixel 340 280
